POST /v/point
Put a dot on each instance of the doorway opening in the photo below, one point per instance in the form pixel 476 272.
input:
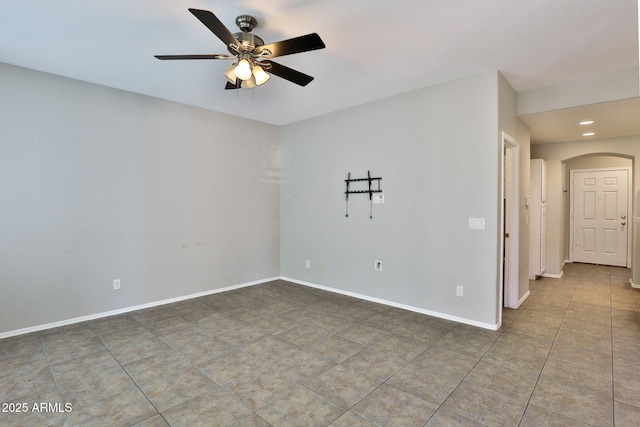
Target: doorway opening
pixel 599 219
pixel 509 265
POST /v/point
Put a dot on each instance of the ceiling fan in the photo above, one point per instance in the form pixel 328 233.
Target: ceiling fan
pixel 253 65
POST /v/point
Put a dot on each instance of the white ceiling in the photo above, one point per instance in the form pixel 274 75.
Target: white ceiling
pixel 375 48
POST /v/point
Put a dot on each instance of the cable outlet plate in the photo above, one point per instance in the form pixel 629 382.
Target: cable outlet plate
pixel 377 265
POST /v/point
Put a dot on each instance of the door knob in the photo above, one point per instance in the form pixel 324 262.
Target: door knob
pixel 623 223
pixel 623 217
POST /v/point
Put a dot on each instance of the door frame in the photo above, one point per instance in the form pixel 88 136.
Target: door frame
pixel 629 206
pixel 509 265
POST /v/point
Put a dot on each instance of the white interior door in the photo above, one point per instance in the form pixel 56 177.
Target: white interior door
pixel 600 216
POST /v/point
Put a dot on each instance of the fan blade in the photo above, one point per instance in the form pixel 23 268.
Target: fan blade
pixel 220 56
pixel 216 27
pixel 294 45
pixel 233 86
pixel 287 73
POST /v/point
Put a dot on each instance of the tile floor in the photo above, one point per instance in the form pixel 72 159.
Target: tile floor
pixel 281 354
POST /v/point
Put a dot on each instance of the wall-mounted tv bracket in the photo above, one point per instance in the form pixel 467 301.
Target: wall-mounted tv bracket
pixel 370 191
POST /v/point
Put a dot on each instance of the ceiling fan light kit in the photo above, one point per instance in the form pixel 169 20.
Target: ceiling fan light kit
pixel 253 66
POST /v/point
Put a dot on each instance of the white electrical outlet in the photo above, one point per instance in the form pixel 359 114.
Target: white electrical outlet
pixel 116 284
pixel 377 265
pixel 308 264
pixel 459 291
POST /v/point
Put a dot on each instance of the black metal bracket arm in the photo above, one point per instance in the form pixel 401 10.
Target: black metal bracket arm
pixel 370 190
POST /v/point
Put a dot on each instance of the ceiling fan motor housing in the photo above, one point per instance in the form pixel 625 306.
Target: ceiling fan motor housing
pixel 247 41
pixel 246 23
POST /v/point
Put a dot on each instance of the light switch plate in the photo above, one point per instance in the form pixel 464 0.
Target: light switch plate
pixel 476 223
pixel 378 198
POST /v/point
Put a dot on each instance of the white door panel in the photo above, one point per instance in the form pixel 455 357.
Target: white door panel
pixel 600 205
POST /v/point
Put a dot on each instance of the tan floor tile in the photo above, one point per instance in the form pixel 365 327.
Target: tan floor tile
pixel 447 362
pixel 214 407
pixel 569 353
pixel 536 416
pixel 349 419
pixel 252 420
pixel 302 407
pixel 400 346
pixel 376 364
pixel 71 348
pixel 17 346
pixel 471 347
pixel 27 383
pixel 627 390
pixel 83 366
pixel 336 348
pixel 579 376
pixel 343 386
pixel 502 379
pixel 260 387
pixel 389 406
pixel 626 415
pixel 444 418
pixel 575 328
pixel 127 408
pixel 155 421
pixel 132 333
pixel 587 342
pixel 139 349
pixel 485 406
pixel 155 367
pixel 177 387
pixel 304 365
pixel 230 366
pixel 196 344
pixel 110 325
pixel 88 389
pixel 303 336
pixel 24 411
pixel 578 404
pixel 427 384
pixel 363 334
pixel 12 367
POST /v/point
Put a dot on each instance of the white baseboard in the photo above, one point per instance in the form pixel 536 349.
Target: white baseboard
pixel 553 276
pixel 634 285
pixel 395 304
pixel 524 297
pixel 129 309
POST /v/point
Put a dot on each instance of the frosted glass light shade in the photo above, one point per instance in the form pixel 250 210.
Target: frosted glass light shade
pixel 230 74
pixel 243 70
pixel 260 75
pixel 250 83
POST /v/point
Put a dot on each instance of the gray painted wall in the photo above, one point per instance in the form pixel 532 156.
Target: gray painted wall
pixel 98 184
pixel 514 127
pixel 437 151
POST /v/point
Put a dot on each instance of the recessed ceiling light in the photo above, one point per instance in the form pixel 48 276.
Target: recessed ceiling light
pixel 588 134
pixel 587 122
